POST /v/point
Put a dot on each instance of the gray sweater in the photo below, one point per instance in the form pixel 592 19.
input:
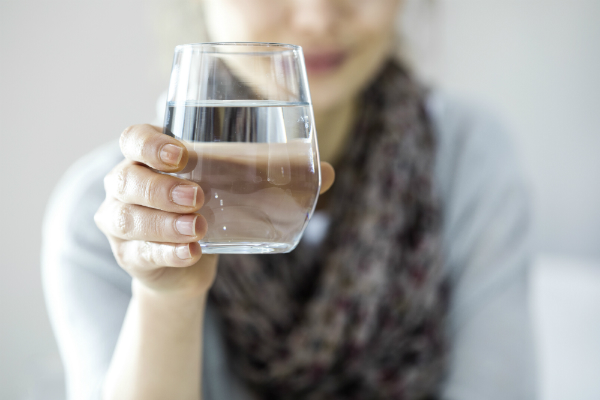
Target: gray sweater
pixel 486 259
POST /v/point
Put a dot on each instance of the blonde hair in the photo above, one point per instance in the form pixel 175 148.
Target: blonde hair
pixel 180 21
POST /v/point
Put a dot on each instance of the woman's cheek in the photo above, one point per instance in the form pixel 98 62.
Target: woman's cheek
pixel 378 23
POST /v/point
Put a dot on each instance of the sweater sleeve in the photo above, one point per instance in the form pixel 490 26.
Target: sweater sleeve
pixel 486 236
pixel 87 293
pixel 487 256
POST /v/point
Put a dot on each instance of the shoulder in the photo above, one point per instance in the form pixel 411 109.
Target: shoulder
pixel 83 176
pixel 473 144
pixel 486 243
pixel 83 181
pixel 476 162
pixel 86 292
pixel 484 195
pixel 70 236
pixel 80 190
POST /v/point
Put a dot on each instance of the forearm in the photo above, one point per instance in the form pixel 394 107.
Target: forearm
pixel 158 355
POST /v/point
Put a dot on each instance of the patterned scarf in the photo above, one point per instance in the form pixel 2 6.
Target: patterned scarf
pixel 362 316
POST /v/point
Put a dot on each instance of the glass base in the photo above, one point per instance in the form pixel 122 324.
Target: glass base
pixel 246 248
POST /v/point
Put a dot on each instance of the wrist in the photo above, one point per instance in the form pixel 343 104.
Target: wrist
pixel 176 298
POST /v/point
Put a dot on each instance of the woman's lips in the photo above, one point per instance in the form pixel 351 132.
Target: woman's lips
pixel 323 62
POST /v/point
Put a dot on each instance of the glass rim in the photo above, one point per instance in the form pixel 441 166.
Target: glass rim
pixel 283 46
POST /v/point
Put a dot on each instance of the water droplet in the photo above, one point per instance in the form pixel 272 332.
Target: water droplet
pixel 216 195
pixel 224 228
pixel 221 202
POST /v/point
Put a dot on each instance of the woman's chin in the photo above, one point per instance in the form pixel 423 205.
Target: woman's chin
pixel 331 87
pixel 330 92
pixel 324 100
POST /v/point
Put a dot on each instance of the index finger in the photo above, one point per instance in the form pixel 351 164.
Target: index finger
pixel 148 145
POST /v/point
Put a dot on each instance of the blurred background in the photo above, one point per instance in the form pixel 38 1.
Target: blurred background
pixel 74 74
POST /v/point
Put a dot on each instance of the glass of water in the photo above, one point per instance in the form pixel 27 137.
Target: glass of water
pixel 244 112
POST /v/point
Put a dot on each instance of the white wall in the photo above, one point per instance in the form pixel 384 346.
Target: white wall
pixel 73 74
pixel 538 64
pixel 565 294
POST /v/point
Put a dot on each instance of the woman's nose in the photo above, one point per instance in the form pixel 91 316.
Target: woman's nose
pixel 316 17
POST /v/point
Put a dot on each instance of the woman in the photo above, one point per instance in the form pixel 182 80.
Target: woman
pixel 409 284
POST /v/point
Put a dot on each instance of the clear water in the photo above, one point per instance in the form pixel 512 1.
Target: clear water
pixel 239 121
pixel 257 166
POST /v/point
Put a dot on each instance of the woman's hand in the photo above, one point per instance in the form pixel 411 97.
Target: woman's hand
pixel 153 227
pixel 150 218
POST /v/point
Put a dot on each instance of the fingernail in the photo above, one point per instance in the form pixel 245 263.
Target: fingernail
pixel 171 154
pixel 184 195
pixel 183 252
pixel 186 225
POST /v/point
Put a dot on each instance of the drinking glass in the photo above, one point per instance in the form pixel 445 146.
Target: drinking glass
pixel 243 111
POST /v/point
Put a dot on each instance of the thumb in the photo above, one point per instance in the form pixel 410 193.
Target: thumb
pixel 327 176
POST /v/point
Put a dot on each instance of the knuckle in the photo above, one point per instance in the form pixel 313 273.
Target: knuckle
pixel 154 254
pixel 124 221
pixel 121 180
pixel 140 142
pixel 149 144
pixel 145 251
pixel 118 250
pixel 126 135
pixel 119 253
pixel 155 225
pixel 147 127
pixel 100 216
pixel 133 141
pixel 163 255
pixel 150 190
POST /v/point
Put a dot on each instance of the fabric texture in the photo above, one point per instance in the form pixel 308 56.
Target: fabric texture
pixel 486 232
pixel 362 317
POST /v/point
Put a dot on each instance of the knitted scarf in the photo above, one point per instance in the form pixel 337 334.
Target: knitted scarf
pixel 362 316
